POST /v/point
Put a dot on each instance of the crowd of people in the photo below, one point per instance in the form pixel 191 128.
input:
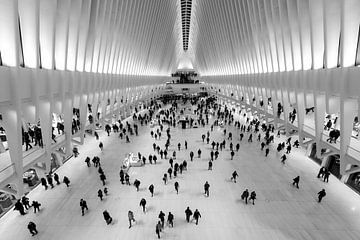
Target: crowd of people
pixel 163 120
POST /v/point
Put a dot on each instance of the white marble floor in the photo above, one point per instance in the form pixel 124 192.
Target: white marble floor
pixel 280 211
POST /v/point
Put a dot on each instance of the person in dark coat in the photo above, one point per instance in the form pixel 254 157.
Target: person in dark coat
pixel 151 189
pixel 196 216
pixel 253 197
pixel 137 184
pixel 87 160
pixel 210 165
pixel 321 172
pixel 199 153
pixel 103 178
pixel 44 183
pixel 122 176
pixel 32 228
pixel 131 218
pixel 326 175
pixel 267 152
pixel 127 179
pixel 162 218
pixel 191 155
pixel 283 158
pixel 83 206
pixel 143 204
pixel 101 146
pixel 107 217
pixel 50 180
pixel 66 181
pixel 188 214
pixel 158 229
pixel 170 219
pixel 100 194
pixel 176 184
pixel 296 181
pixel 234 175
pixel 206 188
pixel 245 196
pixel 19 207
pixel 25 202
pixel 321 194
pixel 36 205
pixel 56 178
pixel 170 172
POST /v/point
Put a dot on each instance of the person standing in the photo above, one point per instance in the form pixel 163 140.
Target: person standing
pixel 232 155
pixel 36 205
pixel 66 181
pixel 234 175
pixel 206 188
pixel 210 165
pixel 101 146
pixel 100 194
pixel 170 219
pixel 321 194
pixel 296 181
pixel 107 217
pixel 197 215
pixel 326 175
pixel 83 206
pixel 56 178
pixel 131 218
pixel 158 229
pixel 185 144
pixel 199 153
pixel 143 204
pixel 188 214
pixel 169 172
pixel 151 189
pixel 127 179
pixel 253 197
pixel 245 196
pixel 50 180
pixel 32 228
pixel 191 155
pixel 87 160
pixel 25 202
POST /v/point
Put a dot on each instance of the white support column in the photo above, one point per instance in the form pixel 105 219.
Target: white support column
pixel 300 99
pixel 348 111
pixel 45 111
pixel 320 106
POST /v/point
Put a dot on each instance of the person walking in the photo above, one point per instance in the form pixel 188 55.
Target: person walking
pixel 253 197
pixel 197 215
pixel 36 205
pixel 169 171
pixel 137 184
pixel 176 184
pixel 170 219
pixel 296 181
pixel 143 204
pixel 131 218
pixel 199 153
pixel 188 214
pixel 83 206
pixel 206 188
pixel 127 179
pixel 158 229
pixel 32 228
pixel 66 181
pixel 283 158
pixel 185 144
pixel 267 150
pixel 87 160
pixel 321 194
pixel 191 155
pixel 210 165
pixel 100 194
pixel 151 189
pixel 245 195
pixel 101 146
pixel 19 207
pixel 105 191
pixel 162 218
pixel 234 175
pixel 107 217
pixel 103 178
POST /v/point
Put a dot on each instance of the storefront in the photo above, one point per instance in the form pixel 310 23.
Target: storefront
pixel 354 181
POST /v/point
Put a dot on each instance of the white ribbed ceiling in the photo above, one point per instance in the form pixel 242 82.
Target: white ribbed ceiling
pixel 148 37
